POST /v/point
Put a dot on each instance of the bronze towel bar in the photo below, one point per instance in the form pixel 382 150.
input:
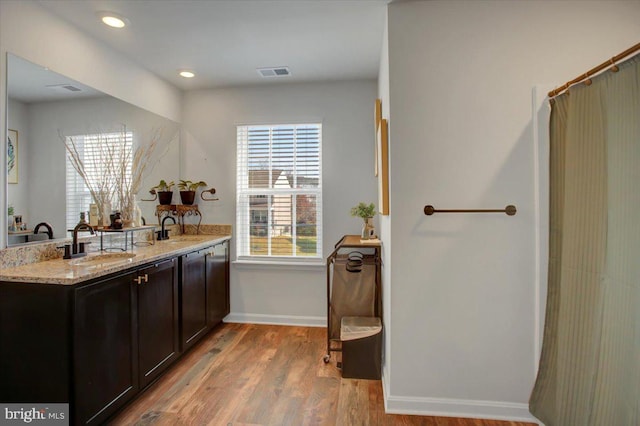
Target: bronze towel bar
pixel 510 210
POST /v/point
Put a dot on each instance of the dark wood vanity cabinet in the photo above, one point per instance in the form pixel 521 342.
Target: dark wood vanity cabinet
pixel 97 344
pixel 105 348
pixel 204 293
pixel 217 273
pixel 193 301
pixel 157 318
pixel 92 345
pixel 35 336
pixel 125 335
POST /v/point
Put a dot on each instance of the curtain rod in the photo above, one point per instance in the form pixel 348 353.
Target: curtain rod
pixel 595 70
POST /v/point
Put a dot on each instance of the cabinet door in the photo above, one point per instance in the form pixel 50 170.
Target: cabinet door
pixel 192 298
pixel 35 343
pixel 105 349
pixel 157 318
pixel 217 284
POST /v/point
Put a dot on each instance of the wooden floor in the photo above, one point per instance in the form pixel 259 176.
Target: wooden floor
pixel 245 374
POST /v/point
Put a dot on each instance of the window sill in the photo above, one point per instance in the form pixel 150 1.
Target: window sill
pixel 277 264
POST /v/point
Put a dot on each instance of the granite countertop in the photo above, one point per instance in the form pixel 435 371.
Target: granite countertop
pixel 64 272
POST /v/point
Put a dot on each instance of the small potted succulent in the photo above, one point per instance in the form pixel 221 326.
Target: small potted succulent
pixel 366 212
pixel 164 191
pixel 188 190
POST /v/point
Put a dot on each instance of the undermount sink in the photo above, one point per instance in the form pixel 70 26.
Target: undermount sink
pixel 103 260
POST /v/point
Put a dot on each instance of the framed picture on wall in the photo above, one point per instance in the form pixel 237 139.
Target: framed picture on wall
pixel 12 156
pixel 383 167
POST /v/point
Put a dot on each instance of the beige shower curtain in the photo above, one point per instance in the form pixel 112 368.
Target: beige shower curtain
pixel 589 371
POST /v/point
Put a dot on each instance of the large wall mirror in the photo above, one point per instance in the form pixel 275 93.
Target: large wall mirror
pixel 43 107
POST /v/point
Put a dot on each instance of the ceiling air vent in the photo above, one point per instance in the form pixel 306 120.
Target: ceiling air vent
pixel 274 72
pixel 61 88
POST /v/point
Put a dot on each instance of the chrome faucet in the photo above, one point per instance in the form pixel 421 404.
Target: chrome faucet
pixel 77 249
pixel 163 234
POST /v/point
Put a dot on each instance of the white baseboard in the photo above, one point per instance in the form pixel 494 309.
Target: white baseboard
pixel 442 407
pixel 385 386
pixel 305 321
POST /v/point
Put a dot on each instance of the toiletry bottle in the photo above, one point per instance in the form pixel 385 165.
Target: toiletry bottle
pixel 106 213
pixel 93 215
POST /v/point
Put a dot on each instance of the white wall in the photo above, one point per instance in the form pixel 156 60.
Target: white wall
pixel 46 159
pixel 461 74
pixel 345 110
pixel 385 221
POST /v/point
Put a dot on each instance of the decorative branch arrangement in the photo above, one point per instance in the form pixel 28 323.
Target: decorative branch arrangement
pixel 113 171
pixel 128 185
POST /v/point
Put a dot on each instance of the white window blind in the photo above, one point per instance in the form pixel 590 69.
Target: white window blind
pixel 93 151
pixel 279 192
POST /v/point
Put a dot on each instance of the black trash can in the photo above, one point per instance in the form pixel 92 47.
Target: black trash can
pixel 361 347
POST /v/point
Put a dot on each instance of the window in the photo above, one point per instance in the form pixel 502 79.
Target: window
pixel 279 192
pixel 93 150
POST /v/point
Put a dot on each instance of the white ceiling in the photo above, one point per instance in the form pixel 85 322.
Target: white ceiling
pixel 224 41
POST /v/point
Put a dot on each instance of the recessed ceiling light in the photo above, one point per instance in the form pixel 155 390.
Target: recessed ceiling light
pixel 187 74
pixel 113 20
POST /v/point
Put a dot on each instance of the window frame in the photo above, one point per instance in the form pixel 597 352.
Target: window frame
pixel 244 193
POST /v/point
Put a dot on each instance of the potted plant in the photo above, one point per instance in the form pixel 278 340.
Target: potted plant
pixel 366 212
pixel 188 190
pixel 164 191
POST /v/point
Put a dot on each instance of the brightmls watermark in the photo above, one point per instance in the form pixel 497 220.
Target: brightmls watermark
pixel 37 414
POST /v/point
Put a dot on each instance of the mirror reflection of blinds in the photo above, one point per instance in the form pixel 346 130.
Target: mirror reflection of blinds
pixel 95 151
pixel 279 194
